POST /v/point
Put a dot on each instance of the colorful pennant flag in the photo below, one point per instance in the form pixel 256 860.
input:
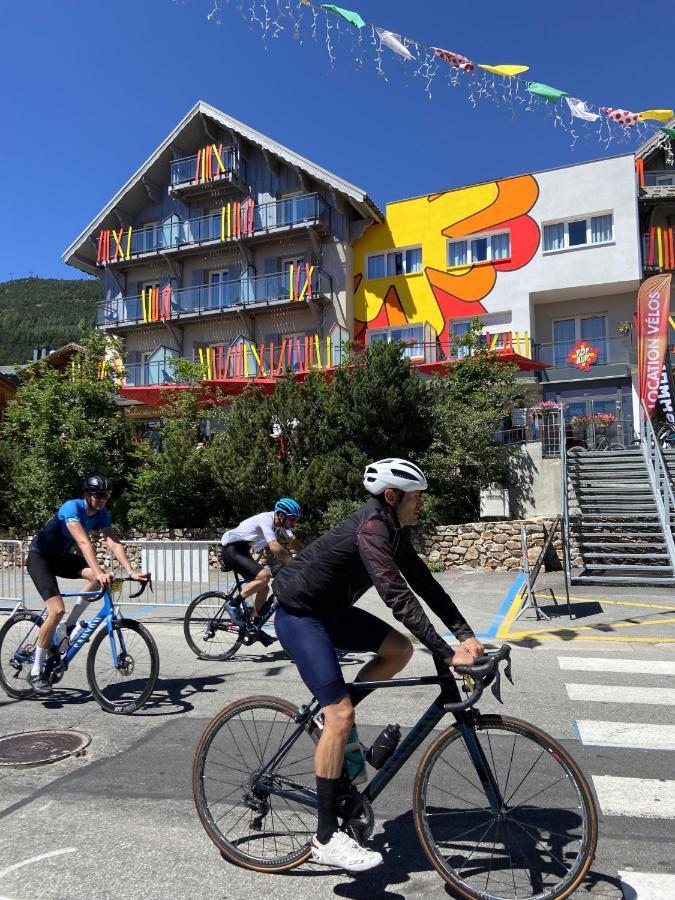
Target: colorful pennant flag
pixel 661 115
pixel 622 116
pixel 455 59
pixel 669 131
pixel 546 91
pixel 391 40
pixel 508 71
pixel 352 17
pixel 580 110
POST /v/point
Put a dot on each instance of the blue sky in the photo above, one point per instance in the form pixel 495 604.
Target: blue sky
pixel 91 88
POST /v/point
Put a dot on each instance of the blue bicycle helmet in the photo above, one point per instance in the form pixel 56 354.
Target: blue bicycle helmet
pixel 288 507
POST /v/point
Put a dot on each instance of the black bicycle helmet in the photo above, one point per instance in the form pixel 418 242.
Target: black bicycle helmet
pixel 94 483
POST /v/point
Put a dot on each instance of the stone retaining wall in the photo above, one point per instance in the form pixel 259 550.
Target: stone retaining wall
pixel 494 546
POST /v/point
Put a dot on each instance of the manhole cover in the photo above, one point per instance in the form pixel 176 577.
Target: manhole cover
pixel 38 748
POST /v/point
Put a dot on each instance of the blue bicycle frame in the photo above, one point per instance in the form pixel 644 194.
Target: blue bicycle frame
pixel 106 612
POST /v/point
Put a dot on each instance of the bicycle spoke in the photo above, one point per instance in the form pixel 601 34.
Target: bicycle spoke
pixel 526 775
pixel 538 794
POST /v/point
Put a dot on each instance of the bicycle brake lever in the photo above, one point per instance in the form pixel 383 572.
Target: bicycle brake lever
pixel 507 670
pixel 497 686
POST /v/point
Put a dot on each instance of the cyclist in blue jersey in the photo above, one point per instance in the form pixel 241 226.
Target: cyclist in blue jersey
pixel 49 556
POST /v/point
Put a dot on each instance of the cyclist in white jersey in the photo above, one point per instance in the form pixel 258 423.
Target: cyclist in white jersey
pixel 256 533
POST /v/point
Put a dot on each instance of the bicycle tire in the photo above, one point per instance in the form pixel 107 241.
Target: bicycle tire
pixel 201 650
pixel 445 863
pixel 122 706
pixel 8 673
pixel 283 715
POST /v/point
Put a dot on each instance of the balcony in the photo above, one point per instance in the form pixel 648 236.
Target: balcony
pixel 658 249
pixel 234 221
pixel 586 358
pixel 244 360
pixel 211 165
pixel 658 185
pixel 156 305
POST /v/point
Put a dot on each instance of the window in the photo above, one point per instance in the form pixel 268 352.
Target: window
pixel 399 262
pixel 579 232
pixel 288 288
pixel 218 289
pixel 412 336
pixel 566 332
pixel 478 249
pixel 459 329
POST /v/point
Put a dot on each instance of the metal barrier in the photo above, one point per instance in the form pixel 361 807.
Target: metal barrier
pixel 180 570
pixel 12 591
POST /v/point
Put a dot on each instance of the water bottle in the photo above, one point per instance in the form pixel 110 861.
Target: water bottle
pixel 74 634
pixel 61 637
pixel 383 746
pixel 355 764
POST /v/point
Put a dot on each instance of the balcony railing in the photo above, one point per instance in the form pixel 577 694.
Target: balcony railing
pixel 658 248
pixel 205 166
pixel 660 178
pixel 232 222
pixel 157 305
pixel 585 354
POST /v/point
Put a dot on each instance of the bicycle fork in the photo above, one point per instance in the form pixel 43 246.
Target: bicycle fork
pixel 483 770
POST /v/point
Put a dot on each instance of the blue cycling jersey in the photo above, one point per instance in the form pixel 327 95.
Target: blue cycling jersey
pixel 55 539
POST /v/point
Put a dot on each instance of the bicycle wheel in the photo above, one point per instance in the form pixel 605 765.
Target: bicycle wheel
pixel 209 629
pixel 539 844
pixel 261 822
pixel 18 637
pixel 124 686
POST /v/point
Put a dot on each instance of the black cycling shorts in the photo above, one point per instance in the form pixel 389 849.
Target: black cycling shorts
pixel 235 556
pixel 311 643
pixel 45 569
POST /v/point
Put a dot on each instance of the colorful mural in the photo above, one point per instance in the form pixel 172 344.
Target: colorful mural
pixel 439 293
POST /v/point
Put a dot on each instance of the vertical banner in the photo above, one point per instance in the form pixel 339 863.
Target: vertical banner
pixel 652 337
pixel 665 409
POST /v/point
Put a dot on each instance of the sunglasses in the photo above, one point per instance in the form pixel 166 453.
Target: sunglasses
pixel 101 495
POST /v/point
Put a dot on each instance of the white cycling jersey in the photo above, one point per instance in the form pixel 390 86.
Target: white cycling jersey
pixel 257 531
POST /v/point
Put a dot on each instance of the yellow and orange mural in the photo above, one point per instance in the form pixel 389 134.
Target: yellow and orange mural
pixel 438 294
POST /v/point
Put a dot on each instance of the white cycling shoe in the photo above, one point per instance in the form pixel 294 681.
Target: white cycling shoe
pixel 344 853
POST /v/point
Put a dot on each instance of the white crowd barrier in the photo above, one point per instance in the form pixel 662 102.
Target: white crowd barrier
pixel 180 570
pixel 12 587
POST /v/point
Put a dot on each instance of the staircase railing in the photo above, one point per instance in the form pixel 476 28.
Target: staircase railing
pixel 660 480
pixel 564 498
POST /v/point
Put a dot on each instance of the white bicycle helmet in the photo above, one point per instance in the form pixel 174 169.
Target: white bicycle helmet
pixel 393 473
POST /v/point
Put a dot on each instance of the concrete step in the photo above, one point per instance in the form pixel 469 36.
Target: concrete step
pixel 609 567
pixel 625 548
pixel 646 559
pixel 625 579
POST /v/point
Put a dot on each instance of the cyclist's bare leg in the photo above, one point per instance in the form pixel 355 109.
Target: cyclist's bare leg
pixel 55 611
pixel 92 585
pixel 394 654
pixel 338 722
pixel 259 587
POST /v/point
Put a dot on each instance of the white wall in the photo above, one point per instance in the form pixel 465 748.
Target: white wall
pixel 576 191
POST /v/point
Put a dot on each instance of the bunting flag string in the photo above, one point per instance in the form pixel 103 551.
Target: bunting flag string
pixel 501 83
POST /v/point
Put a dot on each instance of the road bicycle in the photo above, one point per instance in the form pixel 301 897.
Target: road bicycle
pixel 500 808
pixel 216 624
pixel 121 680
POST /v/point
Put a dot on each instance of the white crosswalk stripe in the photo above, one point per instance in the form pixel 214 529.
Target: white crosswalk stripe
pixel 618 693
pixel 650 730
pixel 647 886
pixel 632 666
pixel 633 735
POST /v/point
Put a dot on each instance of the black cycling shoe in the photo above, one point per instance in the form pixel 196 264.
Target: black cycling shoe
pixel 266 639
pixel 39 685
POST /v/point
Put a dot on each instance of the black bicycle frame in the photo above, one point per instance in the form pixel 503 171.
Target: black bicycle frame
pixel 441 706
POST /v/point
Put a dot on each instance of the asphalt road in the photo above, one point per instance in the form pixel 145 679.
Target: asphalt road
pixel 120 822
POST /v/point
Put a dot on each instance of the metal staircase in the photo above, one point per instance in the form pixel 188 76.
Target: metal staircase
pixel 620 513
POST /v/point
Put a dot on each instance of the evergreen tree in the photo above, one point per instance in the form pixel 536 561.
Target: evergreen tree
pixel 468 405
pixel 64 426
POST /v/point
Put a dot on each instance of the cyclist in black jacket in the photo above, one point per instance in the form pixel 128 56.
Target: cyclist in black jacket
pixel 317 591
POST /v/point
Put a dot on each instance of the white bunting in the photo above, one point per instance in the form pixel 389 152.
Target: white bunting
pixel 391 40
pixel 580 110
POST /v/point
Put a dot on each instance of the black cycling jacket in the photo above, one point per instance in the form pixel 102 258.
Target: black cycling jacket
pixel 362 551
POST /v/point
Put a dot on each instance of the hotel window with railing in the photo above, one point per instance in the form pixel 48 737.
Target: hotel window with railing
pixel 578 233
pixel 479 248
pixel 566 332
pixel 412 336
pixel 406 261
